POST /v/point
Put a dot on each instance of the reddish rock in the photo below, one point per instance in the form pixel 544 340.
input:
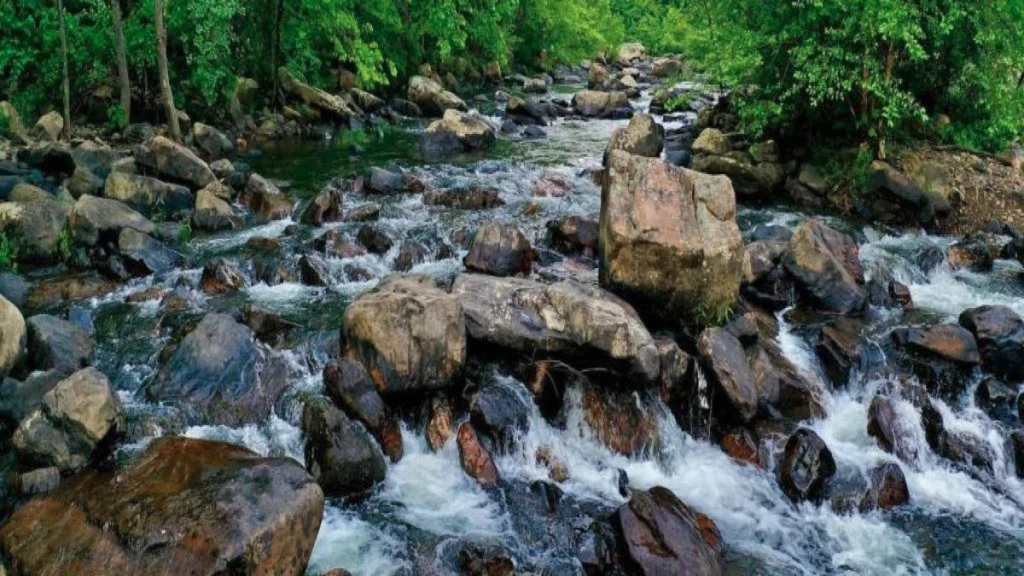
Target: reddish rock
pixel 475 459
pixel 889 486
pixel 553 185
pixel 621 422
pixel 740 446
pixel 439 427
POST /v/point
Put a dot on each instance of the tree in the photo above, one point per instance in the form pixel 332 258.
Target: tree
pixel 165 82
pixel 67 80
pixel 122 63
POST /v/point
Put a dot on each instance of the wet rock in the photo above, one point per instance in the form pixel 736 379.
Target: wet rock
pixel 94 220
pixel 387 181
pixel 58 344
pixel 806 467
pixel 888 430
pixel 430 97
pixel 947 342
pixel 740 446
pixel 486 560
pixel 439 424
pixel 499 412
pixel 840 348
pixel 724 359
pixel 641 137
pixel 662 535
pixel 19 399
pixel 456 133
pixel 889 486
pixel 266 325
pixel 362 213
pixel 349 385
pixel 999 333
pixel 264 198
pixel 173 162
pixel 474 458
pixel 60 290
pixel 499 250
pixel 526 112
pixel 471 198
pixel 212 143
pixel 375 240
pixel 148 195
pixel 711 142
pixel 340 455
pixel 1017 444
pixel 827 265
pixel 573 235
pixel 994 397
pixel 553 185
pixel 410 335
pixel 409 255
pixel 621 421
pixel 900 294
pixel 214 214
pixel 144 256
pixel 219 375
pixel 593 104
pixel 323 208
pixel 334 108
pixel 76 417
pixel 34 229
pixel 405 107
pixel 582 325
pixel 220 277
pixel 313 271
pixel 669 253
pixel 956 445
pixel 187 506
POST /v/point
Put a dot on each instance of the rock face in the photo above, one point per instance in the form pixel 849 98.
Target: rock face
pixel 339 454
pixel 499 250
pixel 565 320
pixel 723 355
pixel 806 466
pixel 662 535
pixel 188 507
pixel 432 98
pixel 331 106
pixel 409 334
pixel 999 333
pixel 593 104
pixel 642 137
pixel 455 133
pixel 58 344
pixel 101 219
pixel 827 265
pixel 174 162
pixel 669 242
pixel 74 419
pixel 34 228
pixel 12 336
pixel 218 374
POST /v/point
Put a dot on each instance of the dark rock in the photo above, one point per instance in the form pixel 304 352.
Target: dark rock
pixel 840 348
pixel 266 325
pixel 173 162
pixel 457 133
pixel 500 250
pixel 323 208
pixel 144 255
pixel 573 235
pixel 499 412
pixel 994 397
pixel 621 421
pixel 95 220
pixel 999 333
pixel 889 486
pixel 340 455
pixel 471 198
pixel 313 271
pixel 889 431
pixel 220 276
pixel 374 239
pixel 806 466
pixel 724 360
pixel 19 399
pixel 351 388
pixel 362 213
pixel 385 181
pixel 34 229
pixel 827 265
pixel 55 344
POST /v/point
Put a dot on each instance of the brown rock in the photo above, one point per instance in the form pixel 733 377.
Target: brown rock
pixel 439 426
pixel 475 459
pixel 740 446
pixel 620 421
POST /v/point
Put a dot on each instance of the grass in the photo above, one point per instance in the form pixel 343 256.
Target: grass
pixel 8 254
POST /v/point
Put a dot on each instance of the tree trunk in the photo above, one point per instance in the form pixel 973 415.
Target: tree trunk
pixel 165 82
pixel 122 63
pixel 67 81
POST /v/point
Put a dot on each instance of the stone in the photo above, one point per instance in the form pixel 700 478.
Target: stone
pixel 630 53
pixel 723 357
pixel 13 339
pixel 339 454
pixel 535 86
pixel 641 137
pixel 223 169
pixel 188 507
pixel 662 535
pixel 456 133
pixel 474 458
pixel 266 200
pixel 61 290
pixel 12 120
pixel 948 342
pixel 212 143
pixel 34 229
pixel 75 418
pixel 999 333
pixel 594 104
pixel 37 481
pixel 362 213
pixel 314 271
pixel 220 277
pixel 19 399
pixel 713 142
pixel 499 250
pixel 889 486
pixel 214 214
pixel 58 344
pixel 440 424
pixel 144 256
pixel 499 412
pixel 330 106
pixel 349 385
pixel 806 467
pixel 375 240
pixel 171 161
pixel 409 255
pixel 826 264
pixel 553 184
pixel 898 199
pixel 840 348
pixel 49 127
pixel 666 67
pixel 100 220
pixel 392 181
pixel 218 374
pixel 581 325
pixel 430 97
pixel 754 181
pixel 622 421
pixel 740 446
pixel 149 195
pixel 574 235
pixel 325 207
pixel 25 193
pixel 889 431
pixel 470 198
pixel 669 241
pixel 410 335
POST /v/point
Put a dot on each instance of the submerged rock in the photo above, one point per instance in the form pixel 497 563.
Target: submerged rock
pixel 471 198
pixel 188 507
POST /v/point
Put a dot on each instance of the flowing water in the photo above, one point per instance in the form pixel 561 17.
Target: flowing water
pixel 959 521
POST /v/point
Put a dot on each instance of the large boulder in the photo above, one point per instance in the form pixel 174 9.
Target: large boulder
pixel 455 133
pixel 594 104
pixel 213 214
pixel 351 388
pixel 750 180
pixel 12 337
pixel 806 467
pixel 331 106
pixel 409 334
pixel 94 220
pixel 144 255
pixel 432 98
pixel 723 357
pixel 999 333
pixel 340 455
pixel 49 127
pixel 12 120
pixel 212 143
pixel 34 228
pixel 894 198
pixel 574 322
pixel 826 264
pixel 219 374
pixel 171 161
pixel 185 507
pixel 499 250
pixel 631 53
pixel 148 195
pixel 76 416
pixel 56 344
pixel 642 137
pixel 662 535
pixel 669 240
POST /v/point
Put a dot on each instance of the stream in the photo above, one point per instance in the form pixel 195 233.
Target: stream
pixel 958 521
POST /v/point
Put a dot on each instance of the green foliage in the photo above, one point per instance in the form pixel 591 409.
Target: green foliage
pixel 8 254
pixel 64 245
pixel 185 232
pixel 116 117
